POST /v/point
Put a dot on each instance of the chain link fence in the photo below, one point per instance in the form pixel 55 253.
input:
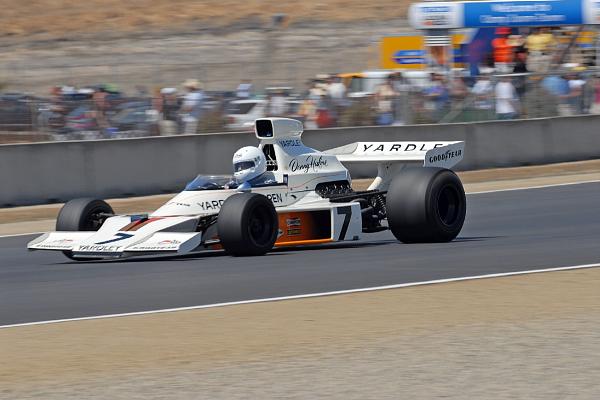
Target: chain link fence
pixel 441 99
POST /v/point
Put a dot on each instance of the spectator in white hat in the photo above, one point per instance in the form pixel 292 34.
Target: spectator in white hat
pixel 506 99
pixel 191 109
pixel 168 106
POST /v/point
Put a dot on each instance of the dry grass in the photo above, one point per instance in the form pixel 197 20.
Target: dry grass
pixel 67 17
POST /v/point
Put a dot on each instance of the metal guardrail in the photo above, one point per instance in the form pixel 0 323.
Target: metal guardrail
pixel 48 172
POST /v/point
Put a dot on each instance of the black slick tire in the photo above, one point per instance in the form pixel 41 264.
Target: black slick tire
pixel 247 225
pixel 82 215
pixel 426 205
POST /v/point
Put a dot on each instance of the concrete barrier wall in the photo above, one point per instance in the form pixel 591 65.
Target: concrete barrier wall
pixel 49 172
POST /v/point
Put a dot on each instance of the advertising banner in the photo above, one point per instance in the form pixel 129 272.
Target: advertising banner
pixel 489 14
pixel 522 13
pixel 591 12
pixel 436 15
pixel 408 52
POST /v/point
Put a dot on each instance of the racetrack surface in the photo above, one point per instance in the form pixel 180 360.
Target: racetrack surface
pixel 504 232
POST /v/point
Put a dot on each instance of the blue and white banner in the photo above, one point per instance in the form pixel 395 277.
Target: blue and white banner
pixel 436 15
pixel 489 14
pixel 409 53
pixel 522 13
pixel 410 61
pixel 591 12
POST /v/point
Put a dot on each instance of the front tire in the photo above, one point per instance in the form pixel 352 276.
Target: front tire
pixel 426 205
pixel 247 225
pixel 82 215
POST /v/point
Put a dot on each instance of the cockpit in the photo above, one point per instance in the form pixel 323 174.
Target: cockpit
pixel 211 182
pixel 222 182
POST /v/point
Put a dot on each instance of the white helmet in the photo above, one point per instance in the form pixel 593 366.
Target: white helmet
pixel 248 163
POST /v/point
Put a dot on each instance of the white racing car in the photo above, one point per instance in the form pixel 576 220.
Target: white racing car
pixel 283 193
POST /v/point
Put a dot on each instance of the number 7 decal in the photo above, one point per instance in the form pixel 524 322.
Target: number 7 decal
pixel 119 236
pixel 347 213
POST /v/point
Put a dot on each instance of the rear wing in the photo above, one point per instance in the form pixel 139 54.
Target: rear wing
pixel 391 157
pixel 430 154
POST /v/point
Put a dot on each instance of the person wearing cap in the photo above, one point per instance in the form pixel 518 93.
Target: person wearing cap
pixel 457 86
pixel 278 105
pixel 337 90
pixel 191 109
pixel 308 112
pixel 167 104
pixel 575 96
pixel 520 68
pixel 437 97
pixel 384 97
pixel 539 44
pixel 100 101
pixel 170 104
pixel 595 85
pixel 506 99
pixel 542 97
pixel 482 92
pixel 540 40
pixel 503 51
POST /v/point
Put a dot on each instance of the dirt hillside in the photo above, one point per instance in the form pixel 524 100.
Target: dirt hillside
pixel 68 17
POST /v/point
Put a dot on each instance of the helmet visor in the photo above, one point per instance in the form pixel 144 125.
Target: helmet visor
pixel 243 165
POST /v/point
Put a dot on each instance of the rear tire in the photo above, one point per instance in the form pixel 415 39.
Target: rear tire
pixel 247 225
pixel 426 205
pixel 82 215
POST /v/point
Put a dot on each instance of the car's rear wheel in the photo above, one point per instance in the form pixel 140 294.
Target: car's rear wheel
pixel 82 215
pixel 426 205
pixel 247 225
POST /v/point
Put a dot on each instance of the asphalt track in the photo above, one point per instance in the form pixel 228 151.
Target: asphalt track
pixel 505 231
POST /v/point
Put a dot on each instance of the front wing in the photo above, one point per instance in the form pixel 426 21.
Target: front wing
pixel 126 236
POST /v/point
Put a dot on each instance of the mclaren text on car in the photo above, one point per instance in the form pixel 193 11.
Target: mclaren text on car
pixel 305 199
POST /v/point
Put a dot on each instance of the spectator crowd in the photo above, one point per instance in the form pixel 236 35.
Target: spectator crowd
pixel 524 76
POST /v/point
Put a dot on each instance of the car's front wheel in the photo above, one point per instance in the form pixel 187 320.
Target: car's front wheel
pixel 247 225
pixel 82 215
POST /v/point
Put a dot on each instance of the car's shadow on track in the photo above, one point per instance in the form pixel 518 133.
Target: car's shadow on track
pixel 277 252
pixel 220 254
pixel 475 239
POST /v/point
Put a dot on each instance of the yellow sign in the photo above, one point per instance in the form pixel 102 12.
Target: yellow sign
pixel 408 52
pixel 402 52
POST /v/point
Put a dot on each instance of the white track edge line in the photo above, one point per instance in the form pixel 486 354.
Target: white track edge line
pixel 307 296
pixel 469 193
pixel 535 187
pixel 21 234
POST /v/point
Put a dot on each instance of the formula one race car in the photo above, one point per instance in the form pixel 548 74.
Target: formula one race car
pixel 303 197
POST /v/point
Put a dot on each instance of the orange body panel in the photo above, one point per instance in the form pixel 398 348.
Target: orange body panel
pixel 300 228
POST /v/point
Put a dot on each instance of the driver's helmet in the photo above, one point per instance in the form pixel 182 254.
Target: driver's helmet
pixel 248 163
